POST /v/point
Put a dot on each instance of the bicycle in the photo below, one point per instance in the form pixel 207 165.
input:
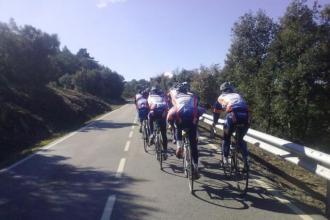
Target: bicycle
pixel 188 164
pixel 145 134
pixel 159 144
pixel 237 167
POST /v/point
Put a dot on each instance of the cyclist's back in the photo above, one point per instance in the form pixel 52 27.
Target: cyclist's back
pixel 141 105
pixel 158 112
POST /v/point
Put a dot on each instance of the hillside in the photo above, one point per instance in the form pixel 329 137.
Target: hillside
pixel 28 116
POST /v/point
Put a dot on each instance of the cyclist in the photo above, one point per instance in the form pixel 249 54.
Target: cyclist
pixel 142 107
pixel 171 124
pixel 236 113
pixel 158 111
pixel 184 114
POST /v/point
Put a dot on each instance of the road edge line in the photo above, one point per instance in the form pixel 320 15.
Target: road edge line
pixel 108 207
pixel 52 144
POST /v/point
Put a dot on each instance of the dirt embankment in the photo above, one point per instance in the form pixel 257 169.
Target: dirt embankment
pixel 28 116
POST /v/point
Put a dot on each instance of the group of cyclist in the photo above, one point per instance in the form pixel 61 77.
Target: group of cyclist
pixel 179 108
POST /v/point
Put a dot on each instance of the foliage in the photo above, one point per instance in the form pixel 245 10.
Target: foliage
pixel 31 58
pixel 282 70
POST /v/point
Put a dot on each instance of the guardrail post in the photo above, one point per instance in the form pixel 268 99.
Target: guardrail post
pixel 327 201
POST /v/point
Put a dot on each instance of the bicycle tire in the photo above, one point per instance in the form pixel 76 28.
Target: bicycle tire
pixel 189 165
pixel 184 163
pixel 145 136
pixel 242 175
pixel 159 149
pixel 191 172
pixel 229 167
pixel 184 158
pixel 156 148
pixel 233 161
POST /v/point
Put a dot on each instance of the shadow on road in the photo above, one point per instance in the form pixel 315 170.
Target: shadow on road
pixel 101 125
pixel 57 190
pixel 217 189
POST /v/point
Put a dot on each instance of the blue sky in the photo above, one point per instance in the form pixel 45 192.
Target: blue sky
pixel 142 38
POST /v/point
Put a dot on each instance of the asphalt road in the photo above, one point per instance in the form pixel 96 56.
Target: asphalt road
pixel 102 172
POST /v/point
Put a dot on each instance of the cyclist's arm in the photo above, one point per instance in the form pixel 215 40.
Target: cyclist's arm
pixel 217 107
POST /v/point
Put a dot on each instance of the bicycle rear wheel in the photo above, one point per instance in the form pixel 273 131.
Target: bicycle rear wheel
pixel 189 167
pixel 159 153
pixel 242 175
pixel 145 136
pixel 228 168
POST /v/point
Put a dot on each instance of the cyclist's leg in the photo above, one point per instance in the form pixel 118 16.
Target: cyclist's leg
pixel 140 114
pixel 193 144
pixel 162 124
pixel 178 134
pixel 241 143
pixel 227 132
pixel 151 122
pixel 151 119
pixel 193 141
pixel 174 134
pixel 173 131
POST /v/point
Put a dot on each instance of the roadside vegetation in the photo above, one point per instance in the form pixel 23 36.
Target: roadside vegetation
pixel 47 90
pixel 281 68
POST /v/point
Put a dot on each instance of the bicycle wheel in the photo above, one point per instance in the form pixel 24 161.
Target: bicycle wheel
pixel 189 166
pixel 156 147
pixel 184 162
pixel 185 158
pixel 159 149
pixel 242 174
pixel 227 168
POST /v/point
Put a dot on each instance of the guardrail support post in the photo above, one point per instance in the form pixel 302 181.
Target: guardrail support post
pixel 327 201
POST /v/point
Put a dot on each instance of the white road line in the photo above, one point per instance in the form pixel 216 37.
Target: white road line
pixel 108 208
pixel 127 146
pixel 50 145
pixel 130 134
pixel 276 194
pixel 121 167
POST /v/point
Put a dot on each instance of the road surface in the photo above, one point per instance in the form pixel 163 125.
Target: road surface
pixel 102 172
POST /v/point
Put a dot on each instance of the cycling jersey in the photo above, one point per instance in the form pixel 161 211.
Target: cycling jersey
pixel 230 102
pixel 184 106
pixel 141 102
pixel 156 101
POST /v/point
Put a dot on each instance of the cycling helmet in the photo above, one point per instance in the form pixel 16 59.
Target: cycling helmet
pixel 145 92
pixel 154 90
pixel 183 87
pixel 226 87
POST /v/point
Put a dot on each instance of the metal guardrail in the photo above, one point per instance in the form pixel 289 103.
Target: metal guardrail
pixel 312 160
